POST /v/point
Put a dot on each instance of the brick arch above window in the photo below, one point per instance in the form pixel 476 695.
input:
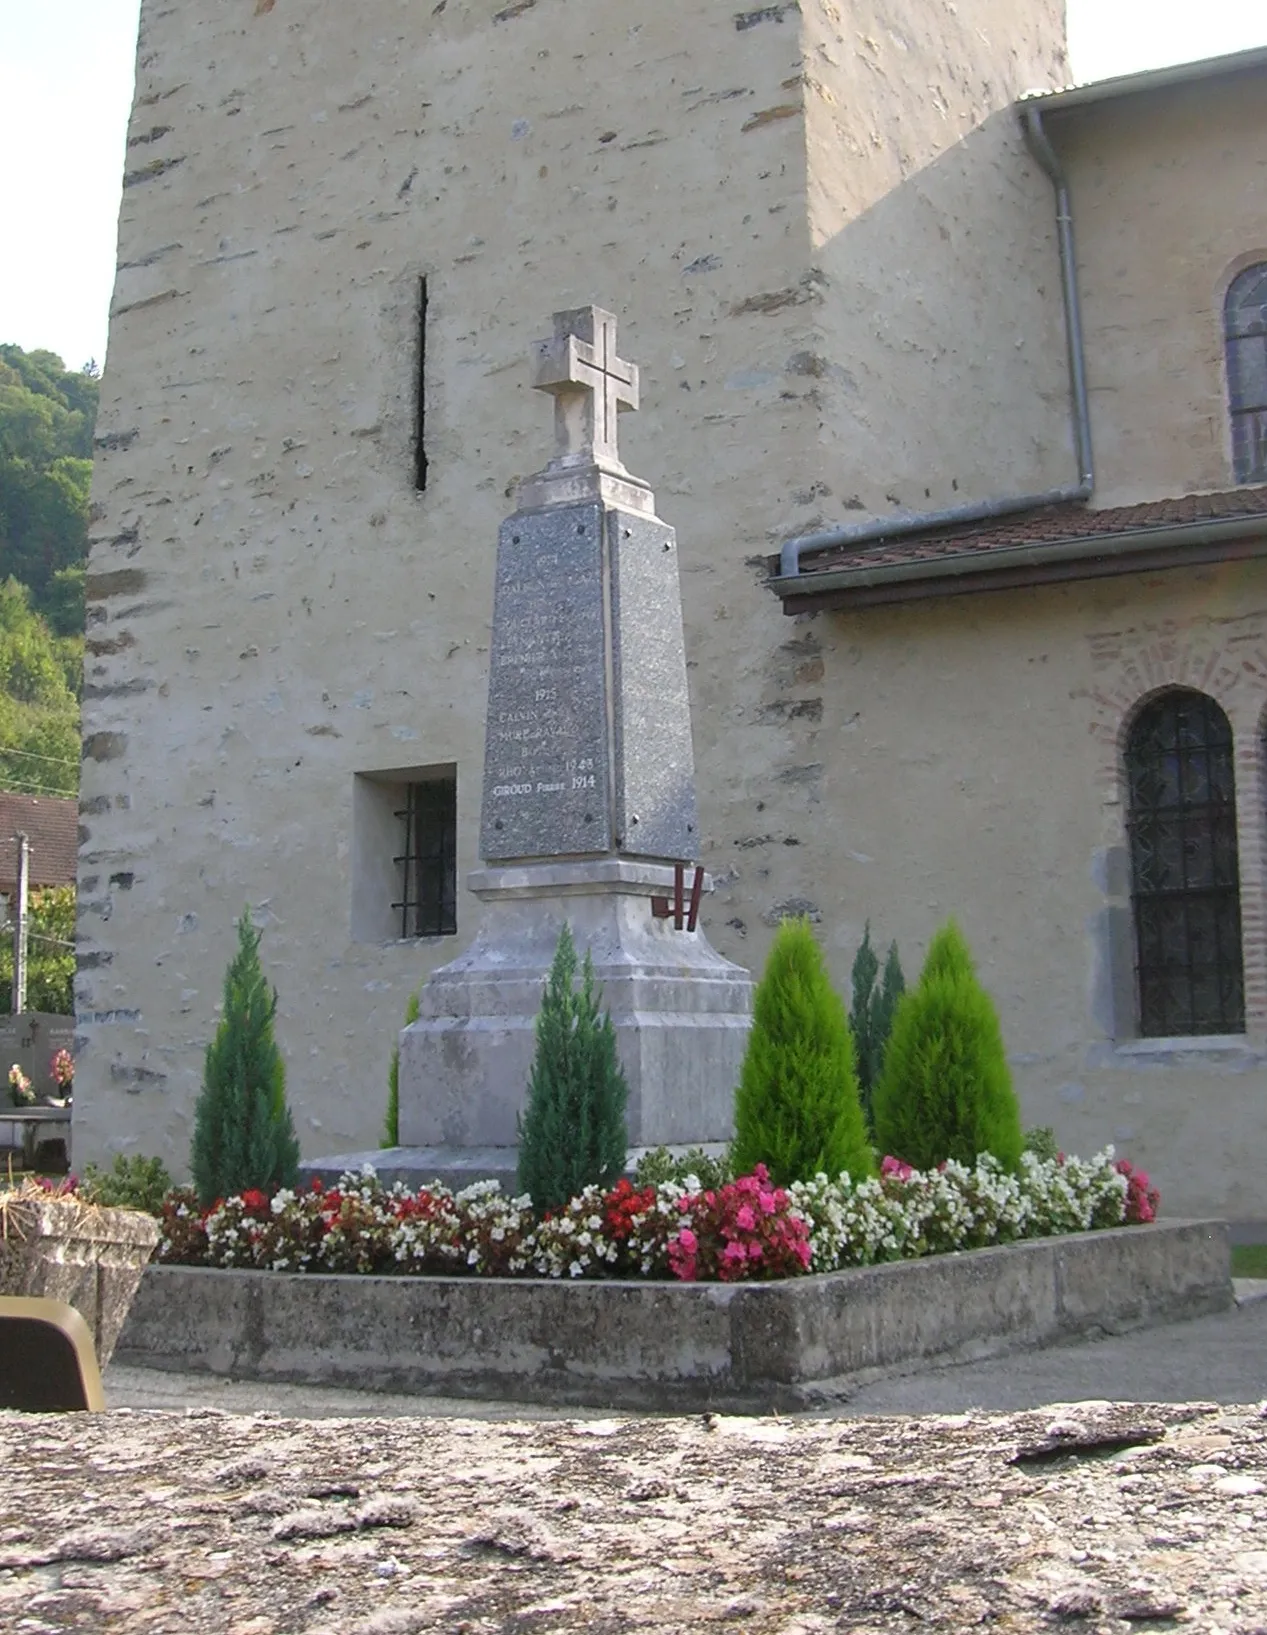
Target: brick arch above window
pixel 1245 340
pixel 1132 662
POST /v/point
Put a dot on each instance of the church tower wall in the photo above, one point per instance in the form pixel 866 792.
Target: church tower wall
pixel 278 616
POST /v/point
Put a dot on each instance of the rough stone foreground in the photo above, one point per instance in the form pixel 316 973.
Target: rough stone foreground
pixel 1096 1517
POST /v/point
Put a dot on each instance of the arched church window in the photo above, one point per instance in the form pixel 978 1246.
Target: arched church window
pixel 1185 879
pixel 1245 329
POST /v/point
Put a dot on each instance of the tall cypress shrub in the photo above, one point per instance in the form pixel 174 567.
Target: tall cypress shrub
pixel 572 1132
pixel 946 1090
pixel 796 1108
pixel 391 1119
pixel 871 1018
pixel 244 1135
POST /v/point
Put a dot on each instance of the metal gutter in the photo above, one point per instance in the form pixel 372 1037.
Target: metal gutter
pixel 987 510
pixel 1089 547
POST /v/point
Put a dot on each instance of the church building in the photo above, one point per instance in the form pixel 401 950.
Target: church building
pixel 954 388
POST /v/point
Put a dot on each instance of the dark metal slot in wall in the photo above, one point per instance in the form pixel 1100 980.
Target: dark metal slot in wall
pixel 428 905
pixel 420 393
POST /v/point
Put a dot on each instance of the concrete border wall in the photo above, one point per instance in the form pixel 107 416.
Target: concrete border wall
pixel 672 1345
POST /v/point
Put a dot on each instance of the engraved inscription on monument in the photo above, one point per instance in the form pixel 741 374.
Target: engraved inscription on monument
pixel 547 764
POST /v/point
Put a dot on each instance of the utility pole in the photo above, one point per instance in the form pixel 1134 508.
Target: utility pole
pixel 18 998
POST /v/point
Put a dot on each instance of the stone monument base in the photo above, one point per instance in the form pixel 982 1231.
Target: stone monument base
pixel 681 1012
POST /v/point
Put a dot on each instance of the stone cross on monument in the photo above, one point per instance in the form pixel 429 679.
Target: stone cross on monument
pixel 590 385
pixel 588 739
pixel 588 802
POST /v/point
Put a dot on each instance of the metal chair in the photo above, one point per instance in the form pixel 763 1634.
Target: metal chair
pixel 47 1361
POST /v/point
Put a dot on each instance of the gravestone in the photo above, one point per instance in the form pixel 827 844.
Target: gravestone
pixel 588 803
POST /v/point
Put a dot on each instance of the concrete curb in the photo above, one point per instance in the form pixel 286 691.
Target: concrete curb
pixel 644 1345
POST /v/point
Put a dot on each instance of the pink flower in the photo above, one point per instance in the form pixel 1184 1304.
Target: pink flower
pixel 897 1168
pixel 745 1220
pixel 766 1200
pixel 687 1240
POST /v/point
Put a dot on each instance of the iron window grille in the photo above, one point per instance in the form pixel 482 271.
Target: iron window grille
pixel 428 904
pixel 1245 332
pixel 1185 878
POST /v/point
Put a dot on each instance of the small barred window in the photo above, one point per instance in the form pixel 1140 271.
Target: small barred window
pixel 428 864
pixel 1185 880
pixel 1245 330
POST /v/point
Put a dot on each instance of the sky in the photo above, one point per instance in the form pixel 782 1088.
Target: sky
pixel 66 67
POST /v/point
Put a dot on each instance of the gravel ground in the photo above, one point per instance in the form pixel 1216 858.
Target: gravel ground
pixel 1098 1518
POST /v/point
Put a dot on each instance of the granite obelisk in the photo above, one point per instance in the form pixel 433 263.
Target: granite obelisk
pixel 588 803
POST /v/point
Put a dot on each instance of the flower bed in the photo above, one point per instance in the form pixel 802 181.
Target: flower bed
pixel 745 1230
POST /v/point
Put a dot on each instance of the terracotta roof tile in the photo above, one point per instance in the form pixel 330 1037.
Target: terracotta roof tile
pixel 53 828
pixel 1052 524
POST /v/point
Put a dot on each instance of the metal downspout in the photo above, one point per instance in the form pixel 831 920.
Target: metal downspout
pixel 1039 144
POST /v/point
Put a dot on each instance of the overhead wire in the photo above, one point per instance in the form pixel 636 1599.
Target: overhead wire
pixel 31 755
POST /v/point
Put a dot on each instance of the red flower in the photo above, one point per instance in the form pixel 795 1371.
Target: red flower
pixel 622 1206
pixel 1142 1197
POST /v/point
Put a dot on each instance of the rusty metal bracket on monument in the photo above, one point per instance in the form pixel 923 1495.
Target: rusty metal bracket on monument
pixel 683 917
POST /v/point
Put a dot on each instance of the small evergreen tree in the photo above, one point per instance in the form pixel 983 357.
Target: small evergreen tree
pixel 244 1135
pixel 871 1018
pixel 796 1108
pixel 391 1120
pixel 945 1090
pixel 572 1132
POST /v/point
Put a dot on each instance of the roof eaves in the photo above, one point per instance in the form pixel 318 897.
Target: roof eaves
pixel 1151 79
pixel 941 574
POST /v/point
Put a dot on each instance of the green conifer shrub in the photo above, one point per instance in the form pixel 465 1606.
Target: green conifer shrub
pixel 391 1119
pixel 871 1018
pixel 945 1090
pixel 572 1132
pixel 796 1107
pixel 244 1135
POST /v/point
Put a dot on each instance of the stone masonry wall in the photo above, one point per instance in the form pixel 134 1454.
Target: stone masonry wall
pixel 273 608
pixel 1169 197
pixel 970 763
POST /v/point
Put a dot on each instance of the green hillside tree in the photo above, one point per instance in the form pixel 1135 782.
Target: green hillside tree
pixel 945 1090
pixel 50 954
pixel 797 1109
pixel 39 702
pixel 47 417
pixel 244 1135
